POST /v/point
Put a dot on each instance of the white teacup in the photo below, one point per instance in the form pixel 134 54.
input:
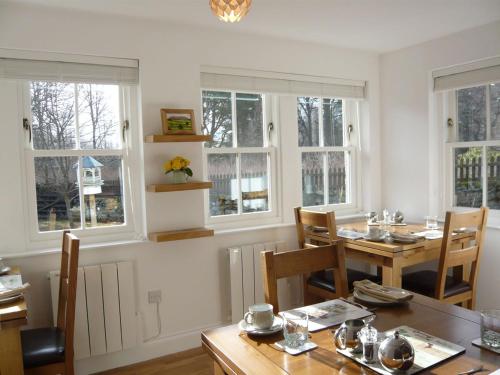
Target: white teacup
pixel 260 316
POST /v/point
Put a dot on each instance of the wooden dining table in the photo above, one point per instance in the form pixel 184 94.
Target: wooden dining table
pixel 12 317
pixel 235 352
pixel 392 258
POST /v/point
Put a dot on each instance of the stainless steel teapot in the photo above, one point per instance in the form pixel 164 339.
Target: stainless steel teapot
pixel 396 353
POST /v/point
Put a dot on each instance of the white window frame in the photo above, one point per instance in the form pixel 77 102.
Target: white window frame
pixel 133 228
pixel 350 116
pixel 450 135
pixel 251 218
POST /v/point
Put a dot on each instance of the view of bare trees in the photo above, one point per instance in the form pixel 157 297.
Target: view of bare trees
pixel 57 108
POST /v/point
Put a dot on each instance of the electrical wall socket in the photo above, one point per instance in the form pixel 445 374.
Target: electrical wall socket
pixel 154 296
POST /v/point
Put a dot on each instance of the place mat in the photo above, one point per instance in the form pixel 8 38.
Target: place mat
pixel 331 313
pixel 479 343
pixel 309 345
pixel 429 351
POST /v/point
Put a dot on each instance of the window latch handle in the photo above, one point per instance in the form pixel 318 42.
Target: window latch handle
pixel 125 127
pixel 350 129
pixel 270 128
pixel 450 122
pixel 27 127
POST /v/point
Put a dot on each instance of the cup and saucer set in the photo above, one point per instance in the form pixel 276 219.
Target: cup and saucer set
pixel 260 321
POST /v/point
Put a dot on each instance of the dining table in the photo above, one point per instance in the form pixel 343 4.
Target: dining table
pixel 236 352
pixel 12 317
pixel 393 257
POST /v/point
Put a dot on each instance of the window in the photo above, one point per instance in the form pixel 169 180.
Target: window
pixel 76 157
pixel 239 159
pixel 474 146
pixel 327 153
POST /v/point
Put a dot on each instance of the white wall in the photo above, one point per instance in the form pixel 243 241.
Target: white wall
pixel 410 158
pixel 191 274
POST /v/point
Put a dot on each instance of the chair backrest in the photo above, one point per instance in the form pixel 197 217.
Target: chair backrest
pixel 67 290
pixel 305 219
pixel 298 262
pixel 462 254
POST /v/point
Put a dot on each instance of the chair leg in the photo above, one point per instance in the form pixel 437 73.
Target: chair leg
pixel 471 304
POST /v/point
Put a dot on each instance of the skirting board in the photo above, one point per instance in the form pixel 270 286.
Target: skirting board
pixel 143 352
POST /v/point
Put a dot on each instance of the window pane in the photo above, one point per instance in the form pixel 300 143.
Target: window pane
pixel 254 182
pixel 471 106
pixel 333 132
pixel 57 195
pixel 493 168
pixel 224 193
pixel 249 118
pixel 308 121
pixel 99 118
pixel 468 182
pixel 495 110
pixel 103 190
pixel 337 177
pixel 53 115
pixel 312 179
pixel 217 120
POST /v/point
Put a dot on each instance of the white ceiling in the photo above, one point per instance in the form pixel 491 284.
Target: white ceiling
pixel 377 25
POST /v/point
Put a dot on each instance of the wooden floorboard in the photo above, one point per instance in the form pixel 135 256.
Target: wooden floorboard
pixel 189 362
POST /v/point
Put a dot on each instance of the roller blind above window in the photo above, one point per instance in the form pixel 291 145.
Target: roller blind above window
pixel 467 75
pixel 65 68
pixel 280 83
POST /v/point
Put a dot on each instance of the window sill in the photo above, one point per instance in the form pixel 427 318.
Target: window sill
pixel 88 247
pixel 224 231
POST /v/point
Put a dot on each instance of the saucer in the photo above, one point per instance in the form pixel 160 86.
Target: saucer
pixel 5 270
pixel 251 330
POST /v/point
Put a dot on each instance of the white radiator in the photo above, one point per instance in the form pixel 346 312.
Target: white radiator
pixel 105 318
pixel 246 278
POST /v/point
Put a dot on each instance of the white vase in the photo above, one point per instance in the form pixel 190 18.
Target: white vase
pixel 178 177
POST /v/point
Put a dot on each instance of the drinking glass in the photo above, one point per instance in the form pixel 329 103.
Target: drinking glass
pixel 431 222
pixel 295 328
pixel 490 328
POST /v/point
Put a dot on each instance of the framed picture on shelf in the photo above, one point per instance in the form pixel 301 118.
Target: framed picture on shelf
pixel 177 121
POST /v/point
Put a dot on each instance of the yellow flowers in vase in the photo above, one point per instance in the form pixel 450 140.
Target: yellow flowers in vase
pixel 179 167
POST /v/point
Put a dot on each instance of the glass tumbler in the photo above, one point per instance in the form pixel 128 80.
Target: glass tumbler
pixel 490 328
pixel 431 222
pixel 295 328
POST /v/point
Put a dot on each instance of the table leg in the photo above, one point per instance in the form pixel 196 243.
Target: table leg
pixel 218 370
pixel 391 273
pixel 11 352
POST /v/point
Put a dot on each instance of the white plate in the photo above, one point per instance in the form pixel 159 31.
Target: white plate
pixel 10 299
pixel 361 297
pixel 250 329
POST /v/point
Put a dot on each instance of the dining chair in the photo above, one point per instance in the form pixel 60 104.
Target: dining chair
pixel 49 351
pixel 313 228
pixel 299 262
pixel 461 287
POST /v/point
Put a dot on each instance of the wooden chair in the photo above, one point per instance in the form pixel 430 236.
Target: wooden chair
pixel 49 351
pixel 298 262
pixel 461 288
pixel 320 284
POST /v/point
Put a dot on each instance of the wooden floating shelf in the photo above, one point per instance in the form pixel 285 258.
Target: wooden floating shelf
pixel 159 138
pixel 184 234
pixel 192 185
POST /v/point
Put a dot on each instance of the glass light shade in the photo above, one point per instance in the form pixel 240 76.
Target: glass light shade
pixel 230 10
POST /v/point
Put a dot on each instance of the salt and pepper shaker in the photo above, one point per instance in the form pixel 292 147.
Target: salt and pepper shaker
pixel 368 338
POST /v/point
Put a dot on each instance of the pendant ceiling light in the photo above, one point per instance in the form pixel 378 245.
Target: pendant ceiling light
pixel 230 10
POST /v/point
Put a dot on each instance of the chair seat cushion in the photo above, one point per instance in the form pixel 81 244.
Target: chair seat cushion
pixel 324 279
pixel 424 282
pixel 42 346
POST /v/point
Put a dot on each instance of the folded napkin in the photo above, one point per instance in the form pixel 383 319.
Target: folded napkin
pixel 383 293
pixel 6 293
pixel 405 237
